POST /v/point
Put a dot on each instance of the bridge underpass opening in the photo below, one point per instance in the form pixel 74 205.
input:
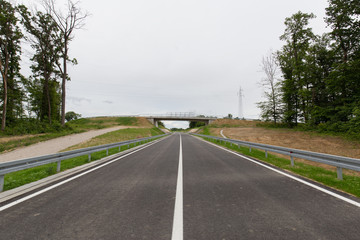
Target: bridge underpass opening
pixel 176 124
pixel 181 118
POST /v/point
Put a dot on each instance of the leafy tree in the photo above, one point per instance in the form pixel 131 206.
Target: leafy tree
pixel 72 116
pixel 10 50
pixel 229 116
pixel 43 38
pixel 321 74
pixel 176 129
pixel 194 124
pixel 161 124
pixel 296 84
pixel 320 61
pixel 343 16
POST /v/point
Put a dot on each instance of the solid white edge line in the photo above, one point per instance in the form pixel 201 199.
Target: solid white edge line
pixel 70 179
pixel 177 231
pixel 357 204
pixel 221 132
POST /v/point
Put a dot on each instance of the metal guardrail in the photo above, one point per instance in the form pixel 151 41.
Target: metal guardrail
pixel 13 166
pixel 338 161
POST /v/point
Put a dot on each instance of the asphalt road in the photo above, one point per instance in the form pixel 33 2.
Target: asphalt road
pixel 223 197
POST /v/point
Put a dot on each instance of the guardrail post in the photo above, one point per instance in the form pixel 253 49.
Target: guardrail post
pixel 128 146
pixel 58 168
pixel 249 149
pixel 266 154
pixel 339 173
pixel 119 148
pixel 239 146
pixel 2 182
pixel 292 160
pixel 89 157
pixel 107 152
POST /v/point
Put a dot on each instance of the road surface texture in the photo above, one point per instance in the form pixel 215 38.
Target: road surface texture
pixel 219 196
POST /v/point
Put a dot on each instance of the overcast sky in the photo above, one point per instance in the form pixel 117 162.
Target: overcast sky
pixel 159 56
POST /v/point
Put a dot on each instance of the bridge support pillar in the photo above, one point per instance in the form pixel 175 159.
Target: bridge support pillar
pixel 151 120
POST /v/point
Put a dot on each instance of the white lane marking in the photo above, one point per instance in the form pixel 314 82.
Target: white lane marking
pixel 221 133
pixel 68 180
pixel 357 204
pixel 177 231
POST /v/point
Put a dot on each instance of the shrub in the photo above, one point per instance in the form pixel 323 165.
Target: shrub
pixel 69 116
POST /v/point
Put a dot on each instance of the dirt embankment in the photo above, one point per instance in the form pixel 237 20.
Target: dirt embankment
pixel 294 139
pixel 247 131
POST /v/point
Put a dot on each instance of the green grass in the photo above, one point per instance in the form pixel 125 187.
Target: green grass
pixel 35 139
pixel 72 127
pixel 102 122
pixel 127 121
pixel 205 131
pixel 155 131
pixel 118 136
pixel 349 184
pixel 19 178
pixel 16 179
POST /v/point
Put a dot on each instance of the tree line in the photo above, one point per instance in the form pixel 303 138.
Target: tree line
pixel 42 95
pixel 319 82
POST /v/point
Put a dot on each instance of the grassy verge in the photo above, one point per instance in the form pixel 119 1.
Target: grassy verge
pixel 205 130
pixel 118 136
pixel 19 178
pixel 12 144
pixel 349 184
pixel 72 127
pixel 102 122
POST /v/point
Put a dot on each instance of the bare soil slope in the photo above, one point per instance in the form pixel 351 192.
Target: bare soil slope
pixel 247 131
pixel 293 139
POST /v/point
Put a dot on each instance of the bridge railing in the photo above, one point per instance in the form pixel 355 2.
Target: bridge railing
pixel 339 162
pixel 178 114
pixel 14 166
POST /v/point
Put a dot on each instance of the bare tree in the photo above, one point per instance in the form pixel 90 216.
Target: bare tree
pixel 270 108
pixel 72 20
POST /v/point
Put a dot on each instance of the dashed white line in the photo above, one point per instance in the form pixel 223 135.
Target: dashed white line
pixel 177 231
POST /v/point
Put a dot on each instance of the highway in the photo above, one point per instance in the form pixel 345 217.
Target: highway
pixel 181 188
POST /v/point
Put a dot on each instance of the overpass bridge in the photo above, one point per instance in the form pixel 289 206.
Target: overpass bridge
pixel 179 117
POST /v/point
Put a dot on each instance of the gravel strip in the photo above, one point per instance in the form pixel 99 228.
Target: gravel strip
pixel 54 145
